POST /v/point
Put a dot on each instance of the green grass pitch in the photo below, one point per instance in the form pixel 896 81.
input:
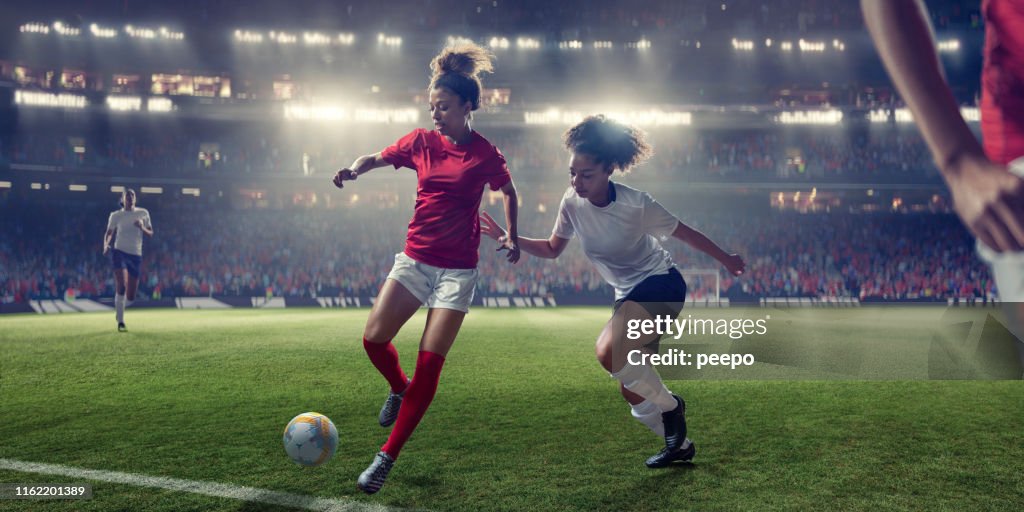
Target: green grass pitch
pixel 525 419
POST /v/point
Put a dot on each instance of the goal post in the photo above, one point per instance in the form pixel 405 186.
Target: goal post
pixel 702 283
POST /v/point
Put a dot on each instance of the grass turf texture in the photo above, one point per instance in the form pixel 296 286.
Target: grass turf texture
pixel 524 419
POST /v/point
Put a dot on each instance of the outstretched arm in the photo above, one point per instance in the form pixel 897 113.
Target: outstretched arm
pixel 988 198
pixel 511 241
pixel 362 165
pixel 541 248
pixel 732 262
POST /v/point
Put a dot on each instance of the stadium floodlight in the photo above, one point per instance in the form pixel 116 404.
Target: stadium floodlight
pixel 786 46
pixel 173 35
pixel 78 188
pixel 838 45
pixel 244 36
pixel 390 41
pixel 768 42
pixel 743 45
pixel 571 45
pixel 102 32
pixel 903 115
pixel 315 39
pixel 949 45
pixel 648 117
pixel 603 45
pixel 46 99
pixel 457 40
pixel 346 38
pixel 124 103
pixel 316 112
pixel 152 190
pixel 642 44
pixel 34 28
pixel 64 30
pixel 971 114
pixel 813 117
pixel 387 116
pixel 499 43
pixel 140 32
pixel 283 37
pixel 190 191
pixel 159 105
pixel 879 115
pixel 5 184
pixel 811 46
pixel 527 43
pixel 117 189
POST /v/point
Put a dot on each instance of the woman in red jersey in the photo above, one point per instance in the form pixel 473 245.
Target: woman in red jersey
pixel 453 163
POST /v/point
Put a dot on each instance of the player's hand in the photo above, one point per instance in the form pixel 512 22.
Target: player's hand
pixel 490 228
pixel 344 175
pixel 511 246
pixel 734 264
pixel 138 223
pixel 990 201
pixel 106 249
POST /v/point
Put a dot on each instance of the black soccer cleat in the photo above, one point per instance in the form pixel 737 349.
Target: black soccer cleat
pixel 389 411
pixel 121 327
pixel 373 478
pixel 675 425
pixel 665 457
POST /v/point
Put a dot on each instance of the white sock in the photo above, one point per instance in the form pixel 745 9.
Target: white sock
pixel 119 306
pixel 647 413
pixel 646 382
pixel 128 303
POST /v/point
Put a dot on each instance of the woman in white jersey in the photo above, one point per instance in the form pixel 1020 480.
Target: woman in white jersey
pixel 125 228
pixel 619 228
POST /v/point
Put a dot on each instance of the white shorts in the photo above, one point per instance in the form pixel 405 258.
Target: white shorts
pixel 444 288
pixel 1007 267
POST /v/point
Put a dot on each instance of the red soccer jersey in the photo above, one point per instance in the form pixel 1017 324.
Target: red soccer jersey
pixel 445 228
pixel 1002 81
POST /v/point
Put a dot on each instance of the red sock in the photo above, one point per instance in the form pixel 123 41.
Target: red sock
pixel 385 358
pixel 417 399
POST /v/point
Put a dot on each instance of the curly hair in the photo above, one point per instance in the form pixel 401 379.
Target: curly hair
pixel 610 142
pixel 458 67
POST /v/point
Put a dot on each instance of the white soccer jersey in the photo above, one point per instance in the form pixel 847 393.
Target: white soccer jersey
pixel 128 236
pixel 620 238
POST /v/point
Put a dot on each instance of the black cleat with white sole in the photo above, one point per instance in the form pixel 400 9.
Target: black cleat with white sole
pixel 373 478
pixel 675 425
pixel 665 457
pixel 121 327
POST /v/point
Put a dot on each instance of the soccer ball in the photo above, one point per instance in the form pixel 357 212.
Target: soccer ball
pixel 310 439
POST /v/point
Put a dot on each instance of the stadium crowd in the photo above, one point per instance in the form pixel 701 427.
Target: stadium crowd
pixel 44 253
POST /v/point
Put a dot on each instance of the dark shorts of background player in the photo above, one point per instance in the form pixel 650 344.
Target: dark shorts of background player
pixel 130 262
pixel 661 295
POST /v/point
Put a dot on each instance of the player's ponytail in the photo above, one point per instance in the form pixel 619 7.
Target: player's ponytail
pixel 610 142
pixel 457 68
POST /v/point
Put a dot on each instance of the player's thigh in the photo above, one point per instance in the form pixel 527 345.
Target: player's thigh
pixel 394 307
pixel 442 327
pixel 623 333
pixel 120 276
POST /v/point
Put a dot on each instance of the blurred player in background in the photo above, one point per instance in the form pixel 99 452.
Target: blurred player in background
pixel 125 228
pixel 986 183
pixel 453 163
pixel 619 228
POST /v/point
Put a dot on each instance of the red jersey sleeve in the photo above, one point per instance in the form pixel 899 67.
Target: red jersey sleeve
pixel 498 172
pixel 405 152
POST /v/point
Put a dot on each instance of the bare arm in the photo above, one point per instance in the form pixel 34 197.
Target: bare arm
pixel 511 242
pixel 362 165
pixel 550 248
pixel 107 237
pixel 989 199
pixel 732 262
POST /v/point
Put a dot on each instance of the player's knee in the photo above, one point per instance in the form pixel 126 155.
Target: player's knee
pixel 375 333
pixel 605 352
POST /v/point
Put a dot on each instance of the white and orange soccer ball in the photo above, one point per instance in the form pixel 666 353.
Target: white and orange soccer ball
pixel 310 439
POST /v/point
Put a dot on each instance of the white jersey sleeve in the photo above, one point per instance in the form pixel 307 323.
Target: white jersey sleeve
pixel 563 224
pixel 657 220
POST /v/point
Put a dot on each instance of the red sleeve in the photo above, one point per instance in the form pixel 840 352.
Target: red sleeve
pixel 499 175
pixel 405 152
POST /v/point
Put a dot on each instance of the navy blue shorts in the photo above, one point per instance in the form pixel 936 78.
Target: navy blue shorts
pixel 130 262
pixel 661 295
